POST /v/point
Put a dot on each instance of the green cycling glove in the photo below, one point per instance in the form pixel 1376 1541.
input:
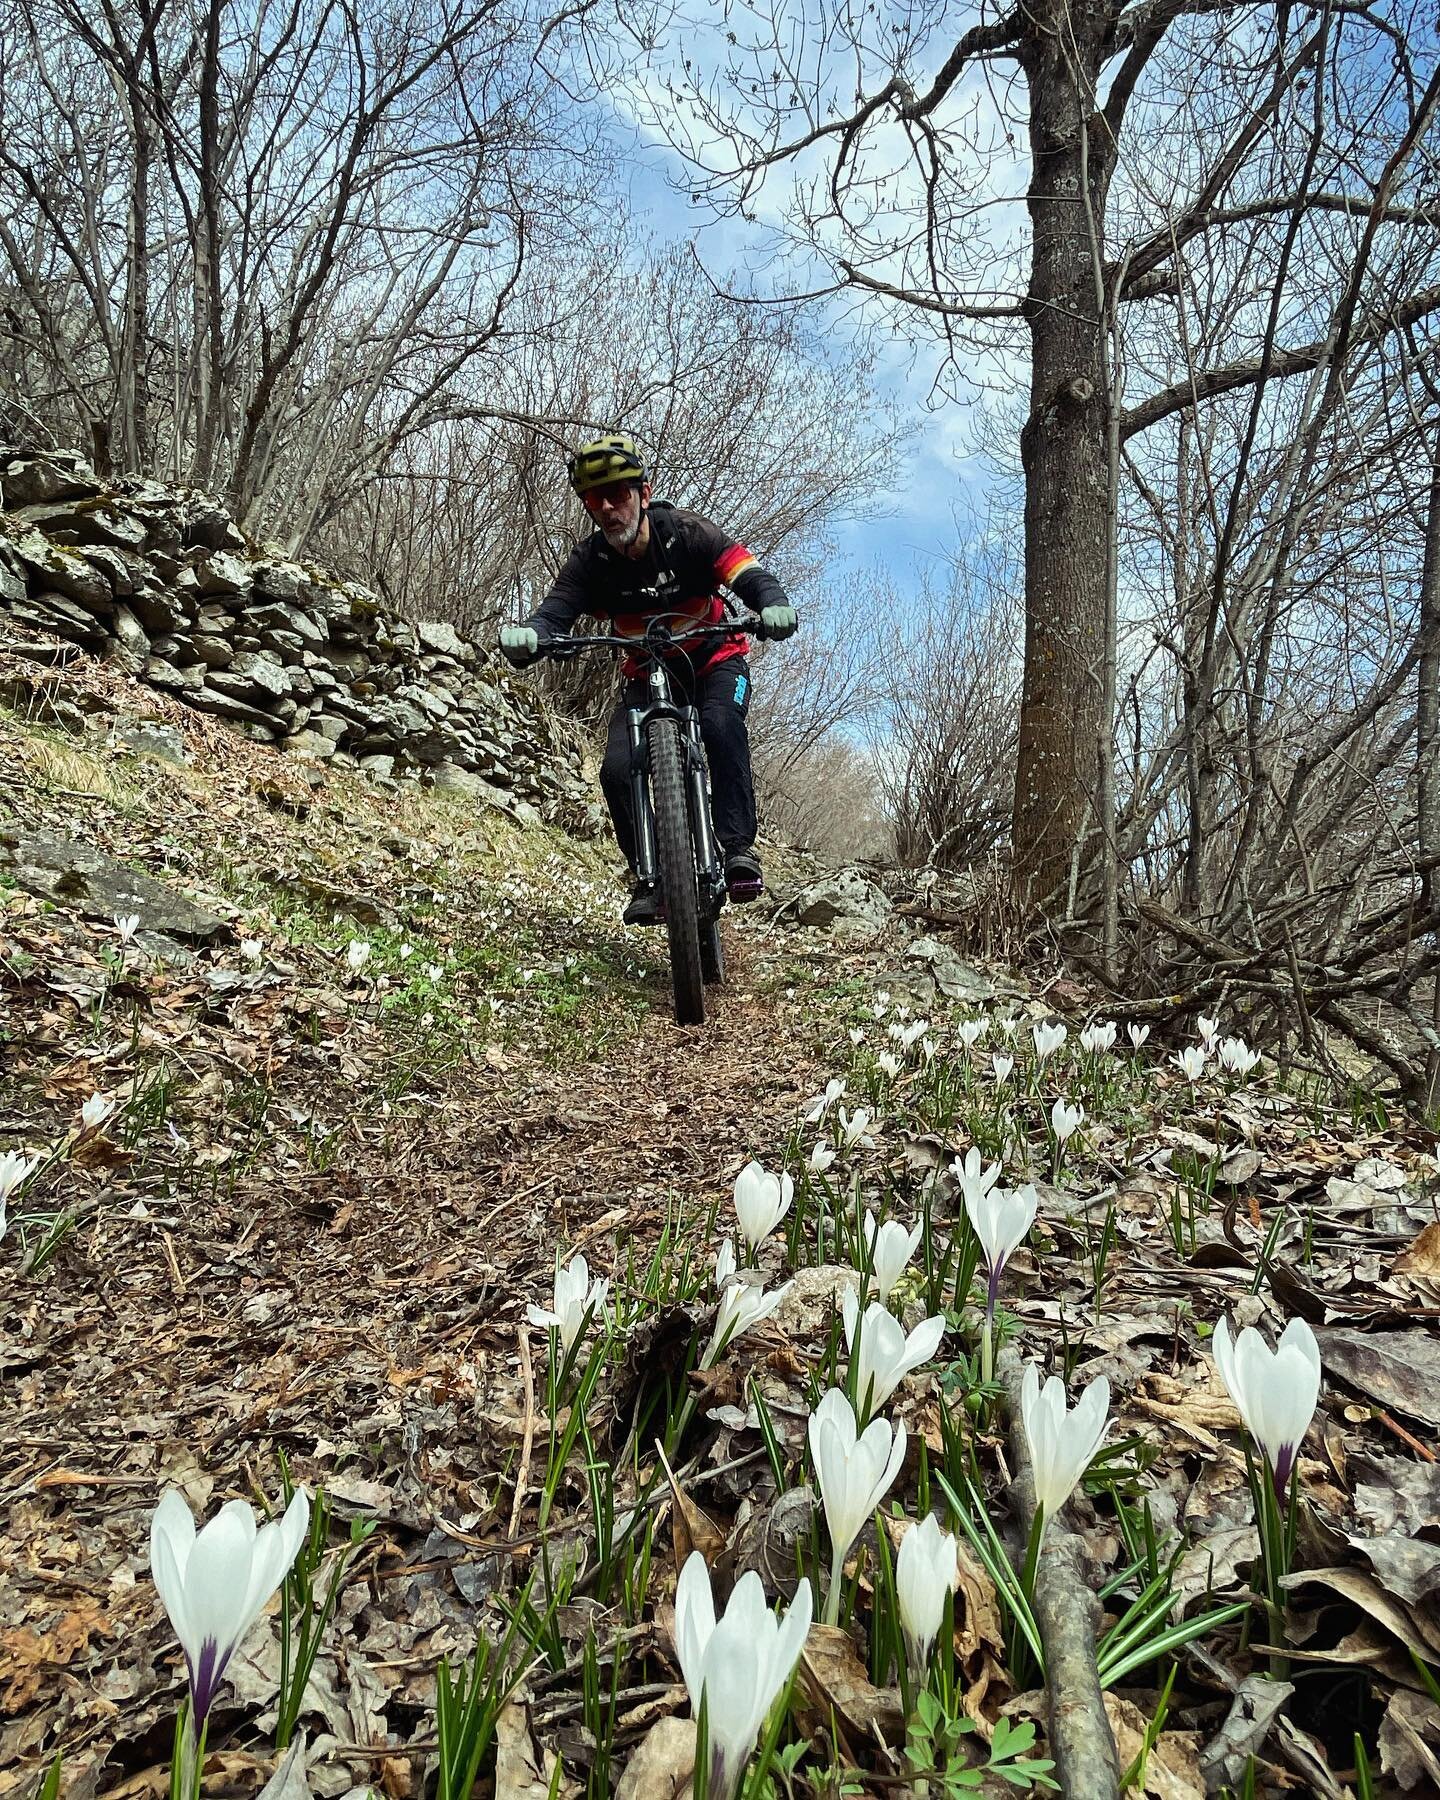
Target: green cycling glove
pixel 778 621
pixel 519 644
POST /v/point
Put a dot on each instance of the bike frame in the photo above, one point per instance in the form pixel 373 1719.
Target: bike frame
pixel 709 869
pixel 661 704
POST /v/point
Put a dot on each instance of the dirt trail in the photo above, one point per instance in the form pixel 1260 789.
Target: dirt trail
pixel 316 1218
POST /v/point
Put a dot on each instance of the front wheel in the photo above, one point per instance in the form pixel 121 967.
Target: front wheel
pixel 712 953
pixel 675 853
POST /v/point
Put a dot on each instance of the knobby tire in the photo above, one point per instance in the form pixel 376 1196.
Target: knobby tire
pixel 675 851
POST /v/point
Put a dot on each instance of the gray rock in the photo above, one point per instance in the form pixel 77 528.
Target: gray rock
pixel 312 744
pixel 158 610
pixel 846 895
pixel 450 778
pixel 85 880
pixel 262 673
pixel 130 633
pixel 13 585
pixel 222 573
pixel 126 574
pixel 185 680
pixel 205 524
pixel 276 616
pixel 952 975
pixel 147 737
pixel 382 768
pixel 64 572
pixel 54 612
pixel 89 523
pixel 208 697
pixel 34 481
pixel 439 637
pixel 285 581
pixel 333 729
pixel 214 652
pixel 287 645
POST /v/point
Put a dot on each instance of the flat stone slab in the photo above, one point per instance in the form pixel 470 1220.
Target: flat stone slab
pixel 85 880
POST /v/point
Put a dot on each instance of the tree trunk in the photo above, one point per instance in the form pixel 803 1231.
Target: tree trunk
pixel 1427 747
pixel 1063 722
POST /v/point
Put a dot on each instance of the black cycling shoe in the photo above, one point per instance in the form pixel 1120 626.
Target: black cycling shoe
pixel 744 878
pixel 645 906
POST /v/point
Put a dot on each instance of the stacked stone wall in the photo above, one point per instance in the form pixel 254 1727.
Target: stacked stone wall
pixel 162 581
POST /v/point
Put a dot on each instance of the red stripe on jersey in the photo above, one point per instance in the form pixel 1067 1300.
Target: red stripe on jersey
pixel 733 562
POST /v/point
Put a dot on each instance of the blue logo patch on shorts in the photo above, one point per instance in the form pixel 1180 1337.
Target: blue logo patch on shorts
pixel 741 684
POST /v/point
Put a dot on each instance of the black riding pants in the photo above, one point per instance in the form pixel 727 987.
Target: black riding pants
pixel 722 693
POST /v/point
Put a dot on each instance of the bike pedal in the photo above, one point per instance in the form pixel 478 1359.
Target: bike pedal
pixel 743 892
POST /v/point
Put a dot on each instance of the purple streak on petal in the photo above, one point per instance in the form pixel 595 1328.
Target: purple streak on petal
pixel 1284 1463
pixel 992 1293
pixel 205 1681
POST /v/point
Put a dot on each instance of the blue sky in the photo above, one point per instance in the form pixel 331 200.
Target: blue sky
pixel 916 530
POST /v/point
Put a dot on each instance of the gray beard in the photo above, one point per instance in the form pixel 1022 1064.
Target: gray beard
pixel 623 538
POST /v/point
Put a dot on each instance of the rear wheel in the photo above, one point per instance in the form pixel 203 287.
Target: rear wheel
pixel 676 854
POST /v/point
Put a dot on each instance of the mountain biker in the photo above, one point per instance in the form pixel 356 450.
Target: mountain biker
pixel 647 557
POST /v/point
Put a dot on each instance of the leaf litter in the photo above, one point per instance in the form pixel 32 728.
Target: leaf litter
pixel 324 1201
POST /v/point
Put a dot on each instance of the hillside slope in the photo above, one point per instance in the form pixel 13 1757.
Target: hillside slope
pixel 373 1056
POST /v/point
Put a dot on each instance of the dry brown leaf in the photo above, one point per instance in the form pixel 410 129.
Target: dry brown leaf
pixel 661 1768
pixel 1172 1769
pixel 834 1676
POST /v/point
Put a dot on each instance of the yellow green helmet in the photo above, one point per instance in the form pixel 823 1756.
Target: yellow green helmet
pixel 611 458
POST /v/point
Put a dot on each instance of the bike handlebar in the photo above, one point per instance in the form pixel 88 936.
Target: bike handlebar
pixel 658 637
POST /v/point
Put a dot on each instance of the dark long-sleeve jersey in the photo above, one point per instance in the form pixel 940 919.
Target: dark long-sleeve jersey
pixel 686 562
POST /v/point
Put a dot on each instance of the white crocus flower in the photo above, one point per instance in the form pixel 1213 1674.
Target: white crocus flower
pixel 1048 1038
pixel 357 954
pixel 973 1176
pixel 853 1127
pixel 1209 1030
pixel 1062 1445
pixel 1095 1038
pixel 1003 1067
pixel 407 951
pixel 1237 1056
pixel 761 1202
pixel 737 1667
pixel 888 1064
pixel 912 1034
pixel 215 1583
pixel 1190 1061
pixel 884 1355
pixel 854 1471
pixel 251 950
pixel 972 1030
pixel 1274 1390
pixel 741 1306
pixel 1001 1219
pixel 925 1570
pixel 433 972
pixel 127 926
pixel 93 1114
pixel 820 1157
pixel 1065 1120
pixel 575 1296
pixel 817 1108
pixel 889 1248
pixel 927 1050
pixel 857 1038
pixel 1138 1035
pixel 724 1266
pixel 15 1168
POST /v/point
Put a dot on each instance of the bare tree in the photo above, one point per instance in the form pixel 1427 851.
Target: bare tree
pixel 327 212
pixel 1154 130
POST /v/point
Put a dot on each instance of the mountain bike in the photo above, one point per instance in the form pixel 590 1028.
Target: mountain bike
pixel 675 842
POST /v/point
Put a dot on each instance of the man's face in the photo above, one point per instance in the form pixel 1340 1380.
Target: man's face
pixel 618 508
